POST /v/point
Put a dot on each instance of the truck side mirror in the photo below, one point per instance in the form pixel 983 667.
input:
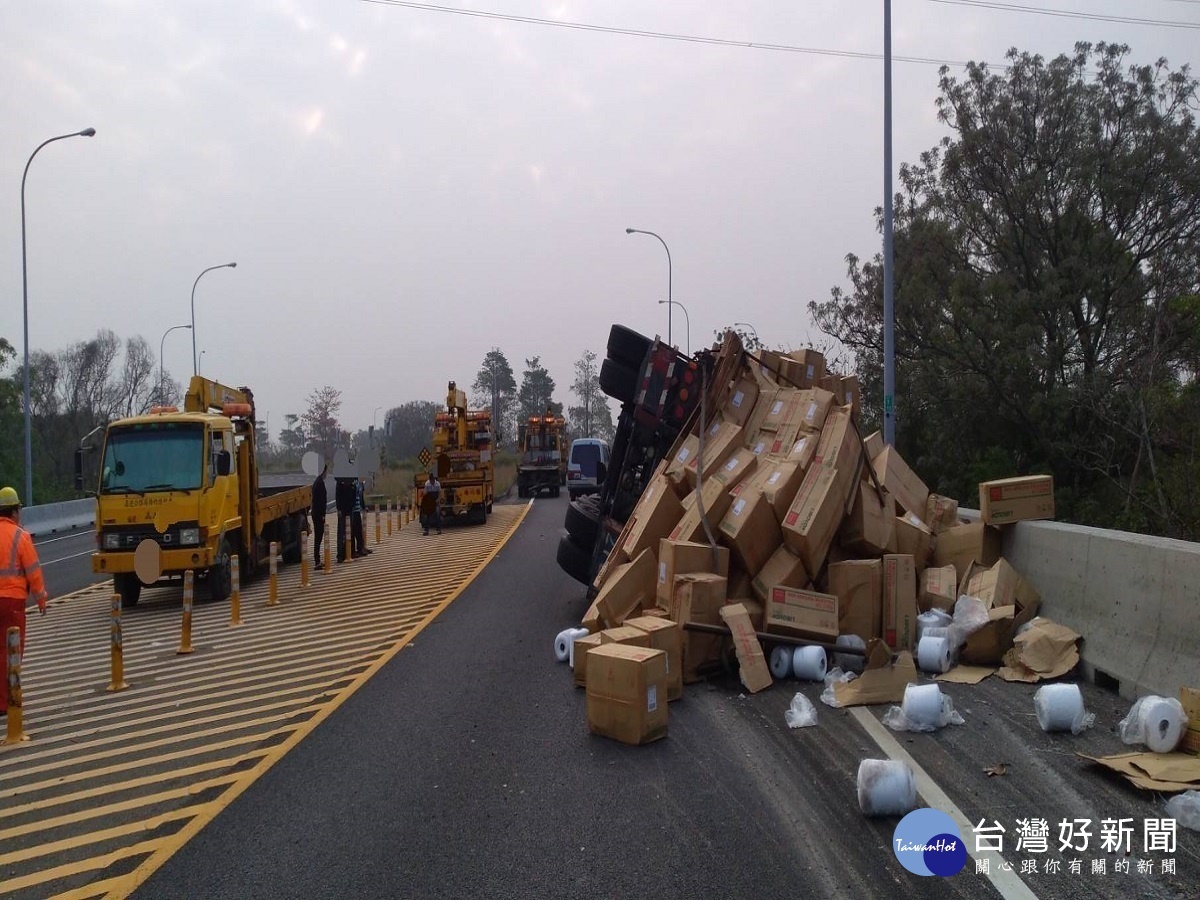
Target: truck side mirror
pixel 78 469
pixel 223 462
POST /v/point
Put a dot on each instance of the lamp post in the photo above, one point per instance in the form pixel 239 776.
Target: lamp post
pixel 196 359
pixel 87 132
pixel 200 360
pixel 686 318
pixel 752 329
pixel 161 376
pixel 889 299
pixel 668 249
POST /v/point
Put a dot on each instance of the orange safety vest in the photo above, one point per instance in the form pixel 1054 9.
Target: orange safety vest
pixel 20 571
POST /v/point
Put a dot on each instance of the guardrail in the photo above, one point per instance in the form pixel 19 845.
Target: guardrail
pixel 47 518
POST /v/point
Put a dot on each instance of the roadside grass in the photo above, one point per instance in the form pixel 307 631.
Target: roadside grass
pixel 397 482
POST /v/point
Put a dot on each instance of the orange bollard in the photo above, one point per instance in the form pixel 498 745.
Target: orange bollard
pixel 389 518
pixel 117 683
pixel 235 593
pixel 304 559
pixel 185 637
pixel 273 588
pixel 349 541
pixel 328 561
pixel 378 537
pixel 16 714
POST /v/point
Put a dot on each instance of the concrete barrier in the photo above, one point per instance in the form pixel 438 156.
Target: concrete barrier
pixel 46 518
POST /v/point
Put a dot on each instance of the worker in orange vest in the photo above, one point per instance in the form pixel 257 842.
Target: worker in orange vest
pixel 20 574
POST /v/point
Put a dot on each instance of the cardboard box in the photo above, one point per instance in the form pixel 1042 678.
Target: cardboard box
pixel 1190 698
pixel 1013 601
pixel 741 585
pixel 591 619
pixel 814 518
pixel 850 394
pixel 804 368
pixel 963 545
pixel 752 665
pixel 721 439
pixel 871 526
pixel 783 569
pixel 739 404
pixel 804 449
pixel 762 406
pixel 915 538
pixel 782 409
pixel 751 531
pixel 740 466
pixel 1016 499
pixel 839 449
pixel 583 646
pixel 995 585
pixel 899 601
pixel 624 634
pixel 802 613
pixel 902 483
pixel 716 502
pixel 873 445
pixel 666 636
pixel 680 558
pixel 626 693
pixel 939 589
pixel 883 681
pixel 780 486
pixel 815 405
pixel 940 513
pixel 628 588
pixel 698 597
pixel 858 586
pixel 656 513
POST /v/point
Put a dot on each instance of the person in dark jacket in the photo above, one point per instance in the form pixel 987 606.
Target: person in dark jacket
pixel 343 499
pixel 356 527
pixel 320 501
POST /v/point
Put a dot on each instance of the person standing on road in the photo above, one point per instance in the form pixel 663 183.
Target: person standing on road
pixel 20 574
pixel 433 496
pixel 320 501
pixel 356 528
pixel 343 499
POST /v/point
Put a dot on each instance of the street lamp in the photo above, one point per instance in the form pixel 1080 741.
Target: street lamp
pixel 200 360
pixel 751 327
pixel 87 132
pixel 161 377
pixel 686 318
pixel 195 359
pixel 668 249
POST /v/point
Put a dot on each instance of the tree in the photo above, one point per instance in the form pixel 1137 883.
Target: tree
pixel 592 417
pixel 136 388
pixel 1044 254
pixel 496 375
pixel 409 427
pixel 321 421
pixel 537 391
pixel 292 442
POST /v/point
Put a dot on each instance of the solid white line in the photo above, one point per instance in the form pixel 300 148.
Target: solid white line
pixel 1008 883
pixel 50 562
pixel 64 537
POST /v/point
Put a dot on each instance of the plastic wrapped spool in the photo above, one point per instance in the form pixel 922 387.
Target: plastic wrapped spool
pixel 886 787
pixel 781 662
pixel 933 618
pixel 1059 707
pixel 933 654
pixel 922 705
pixel 809 663
pixel 1163 723
pixel 563 642
pixel 845 661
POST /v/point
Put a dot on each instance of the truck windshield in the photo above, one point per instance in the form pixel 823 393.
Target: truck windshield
pixel 161 457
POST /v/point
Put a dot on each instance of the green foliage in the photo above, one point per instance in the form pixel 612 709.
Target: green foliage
pixel 592 417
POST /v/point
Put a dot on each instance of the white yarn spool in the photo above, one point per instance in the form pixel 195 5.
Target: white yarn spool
pixel 1162 724
pixel 845 661
pixel 933 654
pixel 1059 707
pixel 933 618
pixel 562 646
pixel 886 787
pixel 781 662
pixel 809 663
pixel 574 634
pixel 922 705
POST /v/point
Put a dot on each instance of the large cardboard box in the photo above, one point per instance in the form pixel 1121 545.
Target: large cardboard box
pixel 858 585
pixel 849 393
pixel 871 526
pixel 627 693
pixel 583 646
pixel 804 368
pixel 941 513
pixel 782 409
pixel 762 407
pixel 840 449
pixel 716 502
pixel 721 439
pixel 873 445
pixel 628 588
pixel 752 664
pixel 666 636
pixel 1012 602
pixel 914 538
pixel 899 601
pixel 624 634
pixel 698 597
pixel 656 513
pixel 738 468
pixel 779 486
pixel 995 585
pixel 1016 499
pixel 751 531
pixel 739 404
pixel 804 449
pixel 680 558
pixel 964 545
pixel 815 405
pixel 894 474
pixel 802 613
pixel 783 569
pixel 814 517
pixel 939 589
pixel 1190 698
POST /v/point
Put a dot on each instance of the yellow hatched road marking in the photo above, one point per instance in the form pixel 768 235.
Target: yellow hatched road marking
pixel 84 865
pixel 105 834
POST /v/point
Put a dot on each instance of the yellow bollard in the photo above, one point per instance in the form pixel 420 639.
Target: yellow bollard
pixel 273 589
pixel 349 541
pixel 185 637
pixel 389 518
pixel 16 715
pixel 235 593
pixel 304 559
pixel 118 648
pixel 378 527
pixel 328 561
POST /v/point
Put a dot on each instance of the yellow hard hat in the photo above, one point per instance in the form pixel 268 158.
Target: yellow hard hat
pixel 9 498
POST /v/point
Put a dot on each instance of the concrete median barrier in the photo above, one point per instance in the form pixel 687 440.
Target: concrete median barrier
pixel 47 518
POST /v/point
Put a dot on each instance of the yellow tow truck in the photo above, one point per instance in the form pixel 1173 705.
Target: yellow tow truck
pixel 179 490
pixel 543 465
pixel 462 457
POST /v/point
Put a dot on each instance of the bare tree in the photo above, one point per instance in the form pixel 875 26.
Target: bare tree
pixel 321 420
pixel 136 388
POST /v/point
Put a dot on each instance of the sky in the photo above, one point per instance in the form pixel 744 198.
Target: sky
pixel 403 189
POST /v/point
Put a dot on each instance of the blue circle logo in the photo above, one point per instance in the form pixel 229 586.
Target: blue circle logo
pixel 927 842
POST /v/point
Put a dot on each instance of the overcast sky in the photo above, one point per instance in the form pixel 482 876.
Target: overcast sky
pixel 402 189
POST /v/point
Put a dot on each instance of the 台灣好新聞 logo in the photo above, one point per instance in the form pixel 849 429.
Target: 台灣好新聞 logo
pixel 927 842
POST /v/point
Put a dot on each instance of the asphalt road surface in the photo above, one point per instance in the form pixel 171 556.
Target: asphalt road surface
pixel 464 768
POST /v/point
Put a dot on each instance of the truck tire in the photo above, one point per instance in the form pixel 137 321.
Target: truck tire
pixel 573 559
pixel 290 545
pixel 129 586
pixel 583 520
pixel 627 347
pixel 220 574
pixel 618 381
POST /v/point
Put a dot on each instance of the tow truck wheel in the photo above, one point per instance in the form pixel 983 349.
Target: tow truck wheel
pixel 618 381
pixel 627 347
pixel 129 587
pixel 220 574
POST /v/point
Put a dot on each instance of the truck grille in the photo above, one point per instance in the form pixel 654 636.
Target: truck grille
pixel 130 536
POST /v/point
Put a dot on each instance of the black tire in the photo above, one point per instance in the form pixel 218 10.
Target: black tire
pixel 554 491
pixel 290 552
pixel 573 559
pixel 220 574
pixel 627 347
pixel 583 521
pixel 489 507
pixel 618 381
pixel 129 586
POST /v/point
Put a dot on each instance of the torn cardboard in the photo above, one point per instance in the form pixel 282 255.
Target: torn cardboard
pixel 1045 650
pixel 1166 772
pixel 883 681
pixel 966 674
pixel 752 665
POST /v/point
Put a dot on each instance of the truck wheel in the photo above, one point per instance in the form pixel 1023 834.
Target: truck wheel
pixel 554 491
pixel 573 559
pixel 627 347
pixel 583 521
pixel 290 550
pixel 618 381
pixel 220 574
pixel 129 587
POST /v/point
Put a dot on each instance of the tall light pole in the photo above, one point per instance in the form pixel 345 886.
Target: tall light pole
pixel 200 360
pixel 752 329
pixel 668 249
pixel 87 132
pixel 889 305
pixel 196 359
pixel 686 318
pixel 161 376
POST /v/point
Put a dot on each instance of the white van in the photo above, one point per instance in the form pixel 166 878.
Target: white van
pixel 582 466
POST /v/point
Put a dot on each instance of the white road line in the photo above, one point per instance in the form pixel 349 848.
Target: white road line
pixel 50 562
pixel 64 537
pixel 1008 883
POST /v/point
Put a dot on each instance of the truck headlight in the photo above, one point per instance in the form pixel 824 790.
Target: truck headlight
pixel 112 540
pixel 189 537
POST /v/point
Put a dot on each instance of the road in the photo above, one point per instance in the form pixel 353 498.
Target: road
pixel 464 768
